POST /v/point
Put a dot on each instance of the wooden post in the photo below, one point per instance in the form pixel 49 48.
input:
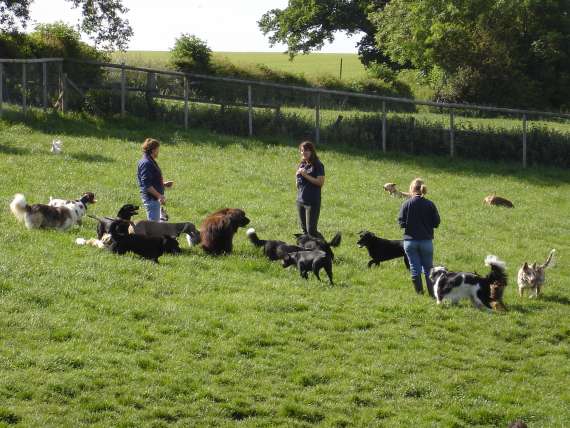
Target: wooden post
pixel 63 91
pixel 451 134
pixel 44 84
pixel 318 118
pixel 1 87
pixel 61 86
pixel 524 140
pixel 123 90
pixel 340 72
pixel 384 126
pixel 24 89
pixel 250 110
pixel 186 90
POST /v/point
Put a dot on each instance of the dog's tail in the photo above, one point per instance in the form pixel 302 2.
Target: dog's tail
pixel 498 269
pixel 335 242
pixel 254 238
pixel 18 206
pixel 550 262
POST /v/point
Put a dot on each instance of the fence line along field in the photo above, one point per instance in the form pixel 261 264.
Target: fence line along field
pixel 93 338
pixel 311 65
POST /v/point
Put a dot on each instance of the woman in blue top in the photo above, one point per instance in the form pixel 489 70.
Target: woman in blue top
pixel 149 177
pixel 418 217
pixel 310 178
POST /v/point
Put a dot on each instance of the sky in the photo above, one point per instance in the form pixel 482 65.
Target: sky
pixel 225 25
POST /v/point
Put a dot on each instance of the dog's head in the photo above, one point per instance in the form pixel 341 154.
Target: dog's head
pixel 365 238
pixel 390 187
pixel 88 198
pixel 289 259
pixel 127 211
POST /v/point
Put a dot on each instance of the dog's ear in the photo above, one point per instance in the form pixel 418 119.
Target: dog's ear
pixel 525 267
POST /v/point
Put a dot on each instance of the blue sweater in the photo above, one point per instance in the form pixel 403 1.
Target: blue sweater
pixel 149 174
pixel 418 217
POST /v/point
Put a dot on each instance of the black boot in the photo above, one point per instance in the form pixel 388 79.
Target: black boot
pixel 417 281
pixel 429 286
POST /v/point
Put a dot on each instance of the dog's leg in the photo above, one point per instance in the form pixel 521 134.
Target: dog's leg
pixel 371 262
pixel 520 291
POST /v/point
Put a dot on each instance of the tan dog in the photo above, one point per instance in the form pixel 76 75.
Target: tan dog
pixel 533 276
pixel 497 201
pixel 394 192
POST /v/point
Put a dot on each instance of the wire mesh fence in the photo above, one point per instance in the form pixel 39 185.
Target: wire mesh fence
pixel 248 108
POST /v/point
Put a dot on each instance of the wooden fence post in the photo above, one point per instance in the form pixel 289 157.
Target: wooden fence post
pixel 524 140
pixel 44 84
pixel 250 110
pixel 384 126
pixel 1 87
pixel 24 89
pixel 451 133
pixel 123 90
pixel 318 119
pixel 186 90
pixel 61 87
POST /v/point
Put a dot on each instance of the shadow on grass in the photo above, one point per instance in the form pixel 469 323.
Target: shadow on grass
pixel 522 309
pixel 554 298
pixel 88 157
pixel 13 150
pixel 136 130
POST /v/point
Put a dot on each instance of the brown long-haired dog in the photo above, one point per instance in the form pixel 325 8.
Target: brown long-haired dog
pixel 218 229
pixel 498 201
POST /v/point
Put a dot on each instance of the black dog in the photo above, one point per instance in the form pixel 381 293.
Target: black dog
pixel 310 260
pixel 381 249
pixel 126 212
pixel 273 249
pixel 149 248
pixel 309 242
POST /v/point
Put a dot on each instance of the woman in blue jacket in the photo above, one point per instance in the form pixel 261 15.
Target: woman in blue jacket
pixel 310 178
pixel 149 177
pixel 418 217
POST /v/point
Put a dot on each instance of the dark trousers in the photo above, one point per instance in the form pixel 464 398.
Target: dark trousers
pixel 309 217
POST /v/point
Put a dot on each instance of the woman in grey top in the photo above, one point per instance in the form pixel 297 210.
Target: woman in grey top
pixel 310 178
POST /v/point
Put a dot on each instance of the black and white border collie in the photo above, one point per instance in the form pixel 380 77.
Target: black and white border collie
pixel 484 292
pixel 60 216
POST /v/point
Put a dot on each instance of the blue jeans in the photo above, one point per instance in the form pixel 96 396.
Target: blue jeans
pixel 152 207
pixel 420 255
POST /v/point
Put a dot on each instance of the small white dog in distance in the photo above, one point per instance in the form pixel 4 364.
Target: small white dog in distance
pixel 56 147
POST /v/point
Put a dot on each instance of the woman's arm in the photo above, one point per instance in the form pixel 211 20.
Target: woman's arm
pixel 316 181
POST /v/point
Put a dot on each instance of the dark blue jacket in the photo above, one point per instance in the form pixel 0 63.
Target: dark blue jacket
pixel 149 174
pixel 418 216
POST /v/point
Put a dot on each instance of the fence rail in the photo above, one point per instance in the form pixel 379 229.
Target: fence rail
pixel 187 89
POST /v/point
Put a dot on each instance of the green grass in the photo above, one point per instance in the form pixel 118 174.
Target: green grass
pixel 311 65
pixel 90 338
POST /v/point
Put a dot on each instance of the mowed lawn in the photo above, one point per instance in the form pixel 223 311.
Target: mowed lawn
pixel 311 65
pixel 91 338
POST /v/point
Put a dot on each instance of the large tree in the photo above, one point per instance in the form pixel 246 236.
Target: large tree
pixel 103 20
pixel 306 25
pixel 495 51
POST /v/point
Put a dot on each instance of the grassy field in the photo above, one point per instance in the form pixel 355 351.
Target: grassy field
pixel 90 338
pixel 310 65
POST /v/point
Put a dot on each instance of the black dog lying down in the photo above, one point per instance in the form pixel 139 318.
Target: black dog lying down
pixel 149 248
pixel 273 249
pixel 309 242
pixel 310 260
pixel 126 212
pixel 381 249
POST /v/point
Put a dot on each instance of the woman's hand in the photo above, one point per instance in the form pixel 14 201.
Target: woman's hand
pixel 162 200
pixel 301 172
